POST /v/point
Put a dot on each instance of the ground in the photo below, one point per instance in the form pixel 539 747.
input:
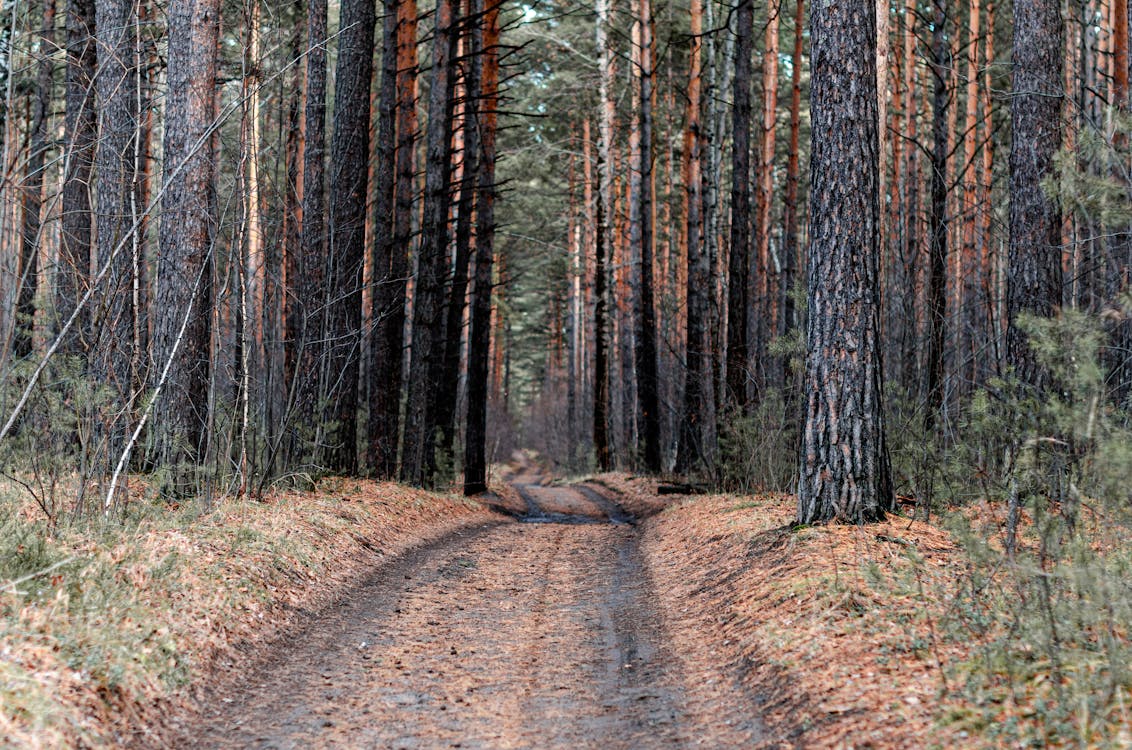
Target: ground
pixel 583 616
pixel 550 614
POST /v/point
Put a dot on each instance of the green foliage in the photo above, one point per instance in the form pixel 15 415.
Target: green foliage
pixel 1047 596
pixel 759 450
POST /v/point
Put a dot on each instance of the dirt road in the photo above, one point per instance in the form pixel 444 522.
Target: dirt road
pixel 534 633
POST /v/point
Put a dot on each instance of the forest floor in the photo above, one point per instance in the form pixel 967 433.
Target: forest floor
pixel 598 614
pixel 554 614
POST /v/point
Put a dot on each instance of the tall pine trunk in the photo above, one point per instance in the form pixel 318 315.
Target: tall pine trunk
pixel 844 466
pixel 738 286
pixel 428 344
pixel 349 179
pixel 1034 283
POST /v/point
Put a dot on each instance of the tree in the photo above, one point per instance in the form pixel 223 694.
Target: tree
pixel 79 126
pixel 937 269
pixel 479 340
pixel 116 168
pixel 698 429
pixel 427 342
pixel 844 466
pixel 1034 279
pixel 739 256
pixel 603 237
pixel 183 302
pixel 349 180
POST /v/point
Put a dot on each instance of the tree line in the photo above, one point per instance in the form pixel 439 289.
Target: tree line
pixel 225 264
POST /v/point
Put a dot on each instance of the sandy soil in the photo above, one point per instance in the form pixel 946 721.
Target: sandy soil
pixel 540 632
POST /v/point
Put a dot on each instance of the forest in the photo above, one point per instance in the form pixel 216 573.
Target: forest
pixel 866 261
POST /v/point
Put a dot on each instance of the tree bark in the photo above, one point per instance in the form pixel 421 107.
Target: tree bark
pixel 188 225
pixel 645 355
pixel 479 338
pixel 424 368
pixel 1034 284
pixel 603 238
pixel 349 179
pixel 697 432
pixel 79 127
pixel 844 466
pixel 33 185
pixel 937 268
pixel 738 285
pixel 308 318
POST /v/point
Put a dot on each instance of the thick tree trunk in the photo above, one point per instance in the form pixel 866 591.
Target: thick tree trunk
pixel 448 397
pixel 349 178
pixel 479 339
pixel 308 317
pixel 1034 284
pixel 188 224
pixel 116 182
pixel 79 127
pixel 844 467
pixel 738 285
pixel 428 345
pixel 389 290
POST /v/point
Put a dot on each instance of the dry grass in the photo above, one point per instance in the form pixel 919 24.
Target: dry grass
pixel 99 647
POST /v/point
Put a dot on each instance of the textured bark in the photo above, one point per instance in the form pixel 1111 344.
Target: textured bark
pixel 428 346
pixel 115 166
pixel 645 355
pixel 349 177
pixel 185 237
pixel 698 429
pixel 938 223
pixel 738 284
pixel 790 201
pixel 603 239
pixel 79 127
pixel 479 338
pixel 33 185
pixel 844 467
pixel 765 280
pixel 308 317
pixel 472 64
pixel 1034 284
pixel 388 290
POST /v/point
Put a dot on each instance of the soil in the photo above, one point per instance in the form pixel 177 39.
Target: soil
pixel 540 630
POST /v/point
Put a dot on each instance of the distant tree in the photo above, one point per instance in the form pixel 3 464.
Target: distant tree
pixel 844 466
pixel 1034 280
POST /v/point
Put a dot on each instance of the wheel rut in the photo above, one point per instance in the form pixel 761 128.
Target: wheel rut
pixel 541 634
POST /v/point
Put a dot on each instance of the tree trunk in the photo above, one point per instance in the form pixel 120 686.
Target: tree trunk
pixel 479 339
pixel 116 182
pixel 767 288
pixel 790 202
pixel 79 126
pixel 738 286
pixel 937 279
pixel 308 317
pixel 188 223
pixel 697 441
pixel 389 289
pixel 603 239
pixel 33 185
pixel 646 364
pixel 1035 277
pixel 348 191
pixel 419 440
pixel 844 467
